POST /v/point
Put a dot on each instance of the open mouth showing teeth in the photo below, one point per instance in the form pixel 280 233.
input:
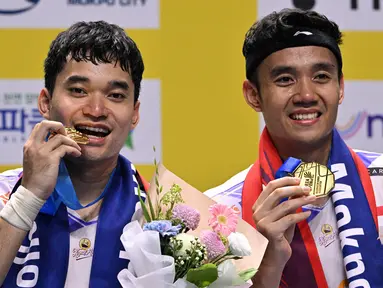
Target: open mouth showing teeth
pixel 93 131
pixel 308 116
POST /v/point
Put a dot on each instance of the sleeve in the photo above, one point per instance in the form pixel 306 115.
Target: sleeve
pixel 230 192
pixel 8 180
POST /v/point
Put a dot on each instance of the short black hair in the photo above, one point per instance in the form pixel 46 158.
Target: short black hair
pixel 98 42
pixel 276 24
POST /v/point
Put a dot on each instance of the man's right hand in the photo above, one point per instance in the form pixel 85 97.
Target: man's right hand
pixel 42 158
pixel 276 220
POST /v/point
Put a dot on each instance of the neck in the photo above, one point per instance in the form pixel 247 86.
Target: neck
pixel 318 152
pixel 90 178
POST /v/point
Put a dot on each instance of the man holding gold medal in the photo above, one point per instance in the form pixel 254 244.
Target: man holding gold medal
pixel 308 193
pixel 75 193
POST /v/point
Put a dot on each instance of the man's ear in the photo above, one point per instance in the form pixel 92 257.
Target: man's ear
pixel 44 103
pixel 341 89
pixel 136 115
pixel 252 96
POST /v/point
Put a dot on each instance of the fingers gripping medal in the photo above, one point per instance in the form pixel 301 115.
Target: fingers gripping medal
pixel 316 176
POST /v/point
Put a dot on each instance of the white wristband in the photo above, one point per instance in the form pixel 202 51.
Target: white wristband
pixel 22 209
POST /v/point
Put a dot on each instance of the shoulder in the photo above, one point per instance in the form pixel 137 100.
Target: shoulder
pixel 229 185
pixel 8 180
pixel 230 191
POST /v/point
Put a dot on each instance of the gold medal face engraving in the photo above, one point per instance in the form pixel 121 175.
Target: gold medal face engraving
pixel 316 176
pixel 77 136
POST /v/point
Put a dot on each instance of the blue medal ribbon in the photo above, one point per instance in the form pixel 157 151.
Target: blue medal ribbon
pixel 64 193
pixel 288 167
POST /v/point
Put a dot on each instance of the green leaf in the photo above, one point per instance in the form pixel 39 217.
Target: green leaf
pixel 129 141
pixel 151 208
pixel 203 276
pixel 143 207
pixel 247 274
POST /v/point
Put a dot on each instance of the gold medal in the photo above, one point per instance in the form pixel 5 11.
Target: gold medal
pixel 77 136
pixel 316 176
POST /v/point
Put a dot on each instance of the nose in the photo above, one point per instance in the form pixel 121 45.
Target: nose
pixel 95 107
pixel 306 93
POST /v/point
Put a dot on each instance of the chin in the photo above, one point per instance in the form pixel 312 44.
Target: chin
pixel 92 156
pixel 311 138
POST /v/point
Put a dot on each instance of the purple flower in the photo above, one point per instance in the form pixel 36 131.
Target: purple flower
pixel 188 215
pixel 164 227
pixel 213 243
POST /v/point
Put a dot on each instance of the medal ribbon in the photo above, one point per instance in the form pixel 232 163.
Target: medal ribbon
pixel 64 193
pixel 287 169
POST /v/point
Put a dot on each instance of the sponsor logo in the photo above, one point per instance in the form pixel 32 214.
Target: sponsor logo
pixel 353 258
pixel 344 13
pixel 377 171
pixel 136 14
pixel 303 32
pixel 354 4
pixel 18 116
pixel 108 2
pixel 12 7
pixel 304 4
pixel 359 120
pixel 28 255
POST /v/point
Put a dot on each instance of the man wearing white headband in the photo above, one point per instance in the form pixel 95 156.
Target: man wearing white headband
pixel 308 193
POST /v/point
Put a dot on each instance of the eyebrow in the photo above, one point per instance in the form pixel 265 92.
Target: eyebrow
pixel 76 79
pixel 114 84
pixel 324 66
pixel 118 84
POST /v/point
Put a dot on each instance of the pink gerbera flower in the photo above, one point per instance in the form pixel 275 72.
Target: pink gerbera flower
pixel 223 219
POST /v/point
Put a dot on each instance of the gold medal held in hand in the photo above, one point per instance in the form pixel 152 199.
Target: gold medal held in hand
pixel 77 136
pixel 316 176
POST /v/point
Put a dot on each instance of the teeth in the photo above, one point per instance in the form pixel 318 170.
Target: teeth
pixel 309 116
pixel 94 129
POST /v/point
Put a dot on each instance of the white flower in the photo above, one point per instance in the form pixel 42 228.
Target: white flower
pixel 187 240
pixel 239 245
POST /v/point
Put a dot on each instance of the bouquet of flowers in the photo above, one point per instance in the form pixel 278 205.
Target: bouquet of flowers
pixel 167 247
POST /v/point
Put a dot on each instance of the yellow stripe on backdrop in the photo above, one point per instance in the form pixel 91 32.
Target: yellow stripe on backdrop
pixel 209 133
pixel 362 55
pixel 23 51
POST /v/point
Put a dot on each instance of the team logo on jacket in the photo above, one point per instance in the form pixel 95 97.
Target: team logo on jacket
pixel 328 235
pixel 85 249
